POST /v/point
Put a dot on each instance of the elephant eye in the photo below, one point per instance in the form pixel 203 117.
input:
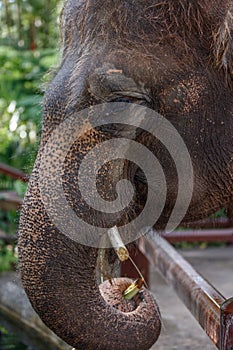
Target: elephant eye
pixel 122 99
pixel 132 99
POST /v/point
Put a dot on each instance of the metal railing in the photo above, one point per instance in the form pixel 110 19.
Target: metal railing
pixel 210 308
pixel 13 173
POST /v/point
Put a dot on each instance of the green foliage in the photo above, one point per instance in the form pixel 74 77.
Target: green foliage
pixel 21 75
pixel 9 221
pixel 198 245
pixel 219 214
pixel 10 341
pixel 8 259
pixel 29 24
pixel 20 187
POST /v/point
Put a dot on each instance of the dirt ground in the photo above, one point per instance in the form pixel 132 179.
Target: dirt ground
pixel 180 329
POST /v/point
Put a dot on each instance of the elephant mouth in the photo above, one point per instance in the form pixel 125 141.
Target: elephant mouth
pixel 122 295
pixel 113 293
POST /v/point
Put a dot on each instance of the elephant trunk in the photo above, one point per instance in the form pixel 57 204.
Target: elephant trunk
pixel 59 277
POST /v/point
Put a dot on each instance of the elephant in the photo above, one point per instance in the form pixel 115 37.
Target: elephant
pixel 175 58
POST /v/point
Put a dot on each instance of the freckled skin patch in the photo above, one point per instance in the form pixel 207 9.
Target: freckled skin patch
pixel 174 57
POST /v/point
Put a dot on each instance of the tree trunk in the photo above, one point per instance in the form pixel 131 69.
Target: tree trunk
pixel 8 18
pixel 46 23
pixel 19 20
pixel 32 34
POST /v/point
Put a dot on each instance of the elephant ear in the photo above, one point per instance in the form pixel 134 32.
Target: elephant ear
pixel 222 49
pixel 72 12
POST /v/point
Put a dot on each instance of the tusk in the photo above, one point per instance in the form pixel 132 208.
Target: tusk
pixel 117 243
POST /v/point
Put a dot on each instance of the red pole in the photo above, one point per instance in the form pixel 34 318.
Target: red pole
pixel 220 235
pixel 14 173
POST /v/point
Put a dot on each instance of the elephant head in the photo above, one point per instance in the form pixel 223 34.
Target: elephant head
pixel 174 57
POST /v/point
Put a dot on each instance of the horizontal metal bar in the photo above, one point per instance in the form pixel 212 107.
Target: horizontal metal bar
pixel 220 235
pixel 7 238
pixel 9 200
pixel 209 223
pixel 12 172
pixel 200 297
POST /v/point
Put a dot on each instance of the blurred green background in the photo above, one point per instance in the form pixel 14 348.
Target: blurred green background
pixel 29 43
pixel 29 37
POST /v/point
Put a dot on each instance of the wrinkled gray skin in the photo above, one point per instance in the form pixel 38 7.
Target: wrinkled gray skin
pixel 176 58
